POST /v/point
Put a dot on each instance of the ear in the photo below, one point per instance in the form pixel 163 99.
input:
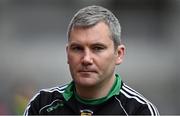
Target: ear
pixel 120 52
pixel 67 51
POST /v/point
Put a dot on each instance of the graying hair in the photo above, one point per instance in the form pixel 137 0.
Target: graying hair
pixel 91 15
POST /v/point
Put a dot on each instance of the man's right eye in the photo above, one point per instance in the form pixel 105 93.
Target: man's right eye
pixel 76 48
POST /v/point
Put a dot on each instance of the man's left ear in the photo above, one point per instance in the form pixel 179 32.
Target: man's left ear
pixel 120 52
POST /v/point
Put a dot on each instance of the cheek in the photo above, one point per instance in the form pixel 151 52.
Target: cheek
pixel 72 64
pixel 107 62
pixel 72 60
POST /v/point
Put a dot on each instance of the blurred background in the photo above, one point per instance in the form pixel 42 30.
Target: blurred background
pixel 33 40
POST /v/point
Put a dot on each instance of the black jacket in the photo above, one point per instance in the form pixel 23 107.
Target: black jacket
pixel 122 100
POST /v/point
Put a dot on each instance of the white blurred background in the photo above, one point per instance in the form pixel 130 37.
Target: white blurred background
pixel 33 39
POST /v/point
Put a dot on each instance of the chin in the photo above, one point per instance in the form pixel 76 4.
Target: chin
pixel 86 79
pixel 86 82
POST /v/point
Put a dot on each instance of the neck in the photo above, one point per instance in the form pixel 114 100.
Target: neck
pixel 97 91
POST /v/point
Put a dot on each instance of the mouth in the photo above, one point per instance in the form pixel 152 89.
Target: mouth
pixel 87 71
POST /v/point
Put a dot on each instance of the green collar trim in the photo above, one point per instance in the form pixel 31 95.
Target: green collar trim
pixel 68 92
pixel 115 90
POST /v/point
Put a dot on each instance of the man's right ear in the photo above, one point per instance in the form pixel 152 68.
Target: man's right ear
pixel 67 47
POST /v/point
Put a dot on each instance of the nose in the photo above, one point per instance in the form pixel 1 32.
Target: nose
pixel 87 58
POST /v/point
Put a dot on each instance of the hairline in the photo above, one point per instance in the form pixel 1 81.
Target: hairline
pixel 109 19
pixel 90 26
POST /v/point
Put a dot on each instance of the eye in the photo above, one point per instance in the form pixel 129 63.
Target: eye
pixel 98 48
pixel 76 48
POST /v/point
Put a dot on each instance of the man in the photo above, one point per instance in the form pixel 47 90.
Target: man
pixel 93 50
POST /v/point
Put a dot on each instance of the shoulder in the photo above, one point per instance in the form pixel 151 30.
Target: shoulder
pixel 43 98
pixel 54 90
pixel 50 93
pixel 135 103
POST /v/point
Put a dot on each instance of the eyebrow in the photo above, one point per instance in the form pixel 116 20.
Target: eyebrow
pixel 74 44
pixel 94 43
pixel 99 44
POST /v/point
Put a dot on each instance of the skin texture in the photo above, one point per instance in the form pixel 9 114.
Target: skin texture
pixel 92 58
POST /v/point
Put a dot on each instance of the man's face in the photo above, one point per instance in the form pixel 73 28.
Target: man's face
pixel 91 55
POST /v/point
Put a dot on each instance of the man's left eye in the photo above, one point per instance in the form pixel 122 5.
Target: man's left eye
pixel 98 48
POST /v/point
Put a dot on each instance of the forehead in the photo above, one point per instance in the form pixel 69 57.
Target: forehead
pixel 97 33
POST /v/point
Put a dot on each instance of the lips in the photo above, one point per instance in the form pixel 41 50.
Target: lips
pixel 88 71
